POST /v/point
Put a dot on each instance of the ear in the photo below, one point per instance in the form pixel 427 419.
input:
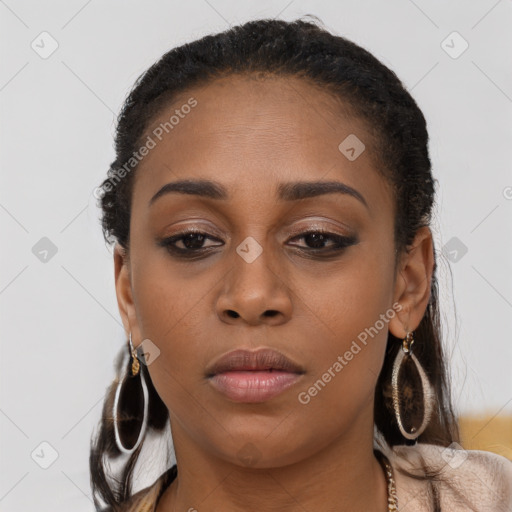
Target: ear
pixel 413 282
pixel 124 294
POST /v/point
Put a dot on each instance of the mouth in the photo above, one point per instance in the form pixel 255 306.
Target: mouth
pixel 253 376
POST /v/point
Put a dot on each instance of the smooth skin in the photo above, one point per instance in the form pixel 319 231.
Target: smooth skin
pixel 249 135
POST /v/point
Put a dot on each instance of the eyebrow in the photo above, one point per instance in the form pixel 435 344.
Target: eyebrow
pixel 292 191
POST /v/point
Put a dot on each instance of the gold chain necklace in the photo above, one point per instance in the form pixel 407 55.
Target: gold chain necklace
pixel 388 472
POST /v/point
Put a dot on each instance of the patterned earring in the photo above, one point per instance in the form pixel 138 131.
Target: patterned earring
pixel 404 394
pixel 131 392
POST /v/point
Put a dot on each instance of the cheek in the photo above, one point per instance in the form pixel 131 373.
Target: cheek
pixel 167 306
pixel 344 303
pixel 168 296
pixel 350 315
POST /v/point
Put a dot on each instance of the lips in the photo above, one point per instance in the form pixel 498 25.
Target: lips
pixel 260 360
pixel 253 376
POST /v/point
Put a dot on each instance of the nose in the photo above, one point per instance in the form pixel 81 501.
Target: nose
pixel 254 293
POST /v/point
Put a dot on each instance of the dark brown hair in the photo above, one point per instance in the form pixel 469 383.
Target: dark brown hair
pixel 399 139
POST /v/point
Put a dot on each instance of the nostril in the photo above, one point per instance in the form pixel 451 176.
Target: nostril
pixel 232 314
pixel 271 312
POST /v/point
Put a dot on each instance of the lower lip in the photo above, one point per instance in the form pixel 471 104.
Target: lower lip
pixel 253 386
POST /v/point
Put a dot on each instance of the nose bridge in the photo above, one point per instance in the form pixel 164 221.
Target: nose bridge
pixel 254 265
pixel 253 233
pixel 255 246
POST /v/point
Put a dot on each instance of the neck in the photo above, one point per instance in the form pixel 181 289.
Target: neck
pixel 344 475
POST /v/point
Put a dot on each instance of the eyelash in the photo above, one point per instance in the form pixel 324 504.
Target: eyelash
pixel 341 243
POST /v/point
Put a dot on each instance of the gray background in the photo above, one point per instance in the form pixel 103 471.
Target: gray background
pixel 60 324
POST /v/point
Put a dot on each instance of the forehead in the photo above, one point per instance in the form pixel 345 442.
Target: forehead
pixel 253 132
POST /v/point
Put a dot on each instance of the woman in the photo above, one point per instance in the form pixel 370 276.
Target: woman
pixel 270 205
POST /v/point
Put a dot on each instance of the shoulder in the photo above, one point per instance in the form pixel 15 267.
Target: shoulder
pixel 468 479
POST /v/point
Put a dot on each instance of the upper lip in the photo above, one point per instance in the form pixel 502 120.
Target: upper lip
pixel 261 359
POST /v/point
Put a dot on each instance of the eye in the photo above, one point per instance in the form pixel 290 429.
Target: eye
pixel 318 241
pixel 191 241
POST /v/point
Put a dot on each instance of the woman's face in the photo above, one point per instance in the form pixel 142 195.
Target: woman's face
pixel 255 280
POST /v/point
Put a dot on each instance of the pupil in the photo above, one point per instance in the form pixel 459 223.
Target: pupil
pixel 316 239
pixel 188 241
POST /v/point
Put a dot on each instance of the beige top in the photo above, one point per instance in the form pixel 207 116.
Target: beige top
pixel 472 480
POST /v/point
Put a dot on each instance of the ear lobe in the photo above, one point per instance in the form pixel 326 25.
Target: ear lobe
pixel 413 285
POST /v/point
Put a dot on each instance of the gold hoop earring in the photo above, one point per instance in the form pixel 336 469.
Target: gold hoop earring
pixel 402 393
pixel 131 390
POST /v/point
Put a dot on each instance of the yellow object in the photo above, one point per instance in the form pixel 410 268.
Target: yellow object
pixel 487 432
